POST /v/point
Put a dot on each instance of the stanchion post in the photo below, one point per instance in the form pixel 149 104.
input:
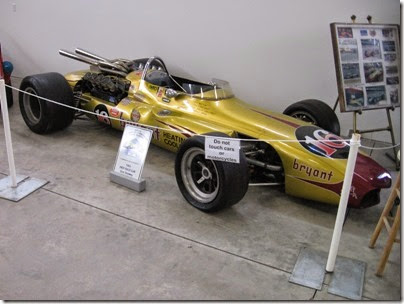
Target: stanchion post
pixel 346 188
pixel 7 133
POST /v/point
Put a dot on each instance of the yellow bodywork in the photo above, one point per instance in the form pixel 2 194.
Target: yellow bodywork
pixel 183 115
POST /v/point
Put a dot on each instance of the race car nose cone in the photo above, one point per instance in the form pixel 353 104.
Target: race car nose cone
pixel 384 180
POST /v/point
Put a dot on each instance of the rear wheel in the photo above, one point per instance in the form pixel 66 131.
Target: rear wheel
pixel 42 116
pixel 206 184
pixel 315 112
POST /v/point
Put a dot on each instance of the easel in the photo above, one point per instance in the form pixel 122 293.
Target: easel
pixel 388 128
pixel 392 230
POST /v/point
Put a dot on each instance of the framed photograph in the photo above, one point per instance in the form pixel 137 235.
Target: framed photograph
pixel 367 63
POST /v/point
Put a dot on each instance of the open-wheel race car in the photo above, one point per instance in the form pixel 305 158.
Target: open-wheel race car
pixel 179 110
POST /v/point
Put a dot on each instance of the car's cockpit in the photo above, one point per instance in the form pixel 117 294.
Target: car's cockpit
pixel 155 72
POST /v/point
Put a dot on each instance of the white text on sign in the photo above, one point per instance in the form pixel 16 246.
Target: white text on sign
pixel 222 149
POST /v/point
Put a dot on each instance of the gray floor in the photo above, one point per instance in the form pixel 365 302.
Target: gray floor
pixel 83 237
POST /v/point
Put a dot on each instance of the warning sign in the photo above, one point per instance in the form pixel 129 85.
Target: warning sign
pixel 222 149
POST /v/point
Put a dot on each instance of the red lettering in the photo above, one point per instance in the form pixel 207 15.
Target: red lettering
pixel 329 139
pixel 328 151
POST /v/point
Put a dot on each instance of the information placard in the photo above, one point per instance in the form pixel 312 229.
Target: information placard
pixel 222 149
pixel 132 152
pixel 368 65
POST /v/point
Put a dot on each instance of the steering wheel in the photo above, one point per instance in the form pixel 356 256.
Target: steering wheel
pixel 160 61
pixel 149 66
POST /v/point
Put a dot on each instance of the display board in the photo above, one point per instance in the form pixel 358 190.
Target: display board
pixel 132 151
pixel 367 62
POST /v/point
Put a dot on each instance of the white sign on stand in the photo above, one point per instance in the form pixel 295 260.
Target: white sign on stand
pixel 131 157
pixel 222 149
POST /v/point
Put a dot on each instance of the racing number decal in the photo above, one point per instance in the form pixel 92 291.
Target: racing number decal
pixel 322 142
pixel 102 114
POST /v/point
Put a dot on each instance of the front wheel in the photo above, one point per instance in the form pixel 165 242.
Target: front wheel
pixel 316 112
pixel 206 184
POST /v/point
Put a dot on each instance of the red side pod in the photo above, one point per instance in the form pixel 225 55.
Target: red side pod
pixel 369 178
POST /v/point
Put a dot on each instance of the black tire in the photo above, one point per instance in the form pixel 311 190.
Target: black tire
pixel 316 112
pixel 42 116
pixel 228 181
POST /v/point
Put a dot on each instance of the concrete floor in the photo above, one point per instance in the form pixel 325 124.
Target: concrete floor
pixel 82 237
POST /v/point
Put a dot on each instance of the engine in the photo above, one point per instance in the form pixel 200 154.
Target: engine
pixel 107 87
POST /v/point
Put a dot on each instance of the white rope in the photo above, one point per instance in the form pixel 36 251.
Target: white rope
pixel 381 148
pixel 174 130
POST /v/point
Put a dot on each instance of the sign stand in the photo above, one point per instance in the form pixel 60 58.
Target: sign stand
pixel 131 157
pixel 137 185
pixel 14 187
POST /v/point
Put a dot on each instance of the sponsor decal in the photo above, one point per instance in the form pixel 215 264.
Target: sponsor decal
pixel 322 142
pixel 126 101
pixel 165 99
pixel 152 87
pixel 352 192
pixel 135 116
pixel 311 172
pixel 160 92
pixel 115 112
pixel 172 140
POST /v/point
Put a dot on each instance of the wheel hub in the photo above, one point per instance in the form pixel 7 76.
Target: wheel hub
pixel 199 175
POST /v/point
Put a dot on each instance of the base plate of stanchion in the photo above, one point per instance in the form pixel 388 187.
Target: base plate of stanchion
pixel 25 186
pixel 309 269
pixel 346 280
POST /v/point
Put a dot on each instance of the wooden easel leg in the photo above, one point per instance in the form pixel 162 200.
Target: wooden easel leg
pixel 354 123
pixel 393 142
pixel 336 104
pixel 386 210
pixel 389 244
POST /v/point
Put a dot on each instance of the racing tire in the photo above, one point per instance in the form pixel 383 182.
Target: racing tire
pixel 206 184
pixel 316 112
pixel 42 116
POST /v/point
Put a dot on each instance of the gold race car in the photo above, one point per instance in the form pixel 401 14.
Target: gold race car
pixel 179 110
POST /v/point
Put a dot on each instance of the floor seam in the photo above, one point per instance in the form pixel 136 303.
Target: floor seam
pixel 169 232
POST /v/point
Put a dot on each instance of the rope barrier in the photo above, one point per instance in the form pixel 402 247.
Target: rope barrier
pixel 184 131
pixel 380 148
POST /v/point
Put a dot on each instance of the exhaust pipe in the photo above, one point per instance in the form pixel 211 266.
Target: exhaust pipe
pixel 99 62
pixel 91 55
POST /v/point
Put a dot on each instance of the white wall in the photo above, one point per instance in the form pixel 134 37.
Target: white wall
pixel 273 52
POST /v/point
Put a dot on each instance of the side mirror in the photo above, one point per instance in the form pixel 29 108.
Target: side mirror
pixel 170 93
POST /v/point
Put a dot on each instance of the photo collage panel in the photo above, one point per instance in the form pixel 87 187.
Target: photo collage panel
pixel 370 66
